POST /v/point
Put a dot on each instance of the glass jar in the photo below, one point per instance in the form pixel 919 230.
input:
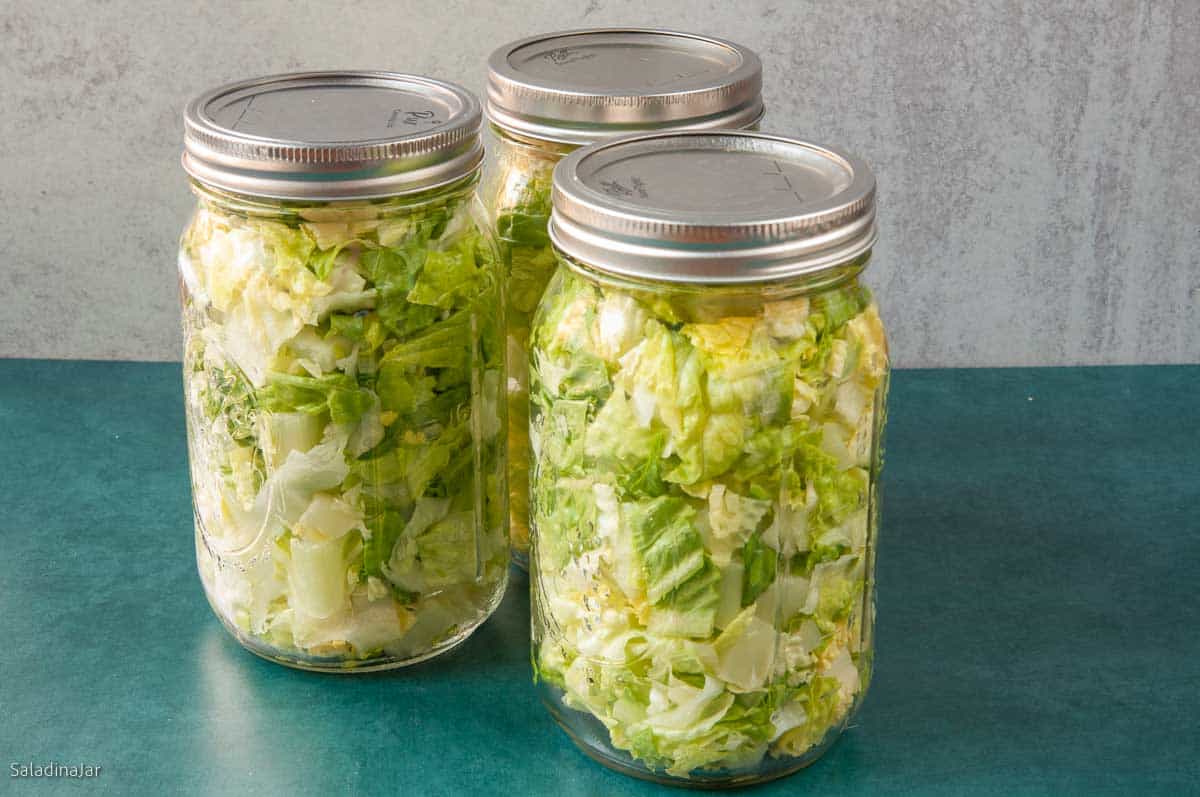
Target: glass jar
pixel 548 95
pixel 343 368
pixel 708 378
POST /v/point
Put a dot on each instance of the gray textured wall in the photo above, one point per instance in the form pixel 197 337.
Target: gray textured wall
pixel 1038 161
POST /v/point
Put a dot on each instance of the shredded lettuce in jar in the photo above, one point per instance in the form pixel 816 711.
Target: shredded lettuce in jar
pixel 520 201
pixel 703 503
pixel 342 379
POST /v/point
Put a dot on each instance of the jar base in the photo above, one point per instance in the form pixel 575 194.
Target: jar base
pixel 349 667
pixel 591 737
pixel 342 666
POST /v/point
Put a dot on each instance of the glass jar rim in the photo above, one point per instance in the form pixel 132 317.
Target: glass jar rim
pixel 770 289
pixel 254 204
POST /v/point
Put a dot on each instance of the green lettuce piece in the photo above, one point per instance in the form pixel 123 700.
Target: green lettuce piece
pixel 394 274
pixel 839 492
pixel 763 456
pixel 448 344
pixel 667 543
pixel 569 507
pixel 228 398
pixel 403 390
pixel 447 551
pixel 451 278
pixel 733 518
pixel 616 442
pixel 564 430
pixel 338 394
pixel 438 458
pixel 289 247
pixel 760 563
pixel 746 652
pixel 719 444
pixel 524 222
pixel 570 368
pixel 525 244
pixel 385 529
pixel 725 731
pixel 435 550
pixel 363 328
pixel 321 263
pixel 690 609
pixel 820 702
pixel 839 588
pixel 838 307
pixel 586 376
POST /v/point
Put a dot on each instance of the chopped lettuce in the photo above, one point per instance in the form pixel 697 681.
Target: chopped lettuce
pixel 344 364
pixel 519 196
pixel 702 505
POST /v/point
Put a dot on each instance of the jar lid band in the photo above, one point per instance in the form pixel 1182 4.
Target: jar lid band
pixel 332 135
pixel 721 208
pixel 582 86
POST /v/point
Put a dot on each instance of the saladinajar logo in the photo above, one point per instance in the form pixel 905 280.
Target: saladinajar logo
pixel 52 769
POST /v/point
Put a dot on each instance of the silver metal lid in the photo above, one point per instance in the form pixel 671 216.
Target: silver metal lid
pixel 716 208
pixel 332 135
pixel 582 86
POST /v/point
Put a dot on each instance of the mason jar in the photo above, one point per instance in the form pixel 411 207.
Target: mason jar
pixel 708 376
pixel 548 95
pixel 343 367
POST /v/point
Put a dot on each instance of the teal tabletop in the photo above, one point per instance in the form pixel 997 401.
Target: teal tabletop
pixel 1037 624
